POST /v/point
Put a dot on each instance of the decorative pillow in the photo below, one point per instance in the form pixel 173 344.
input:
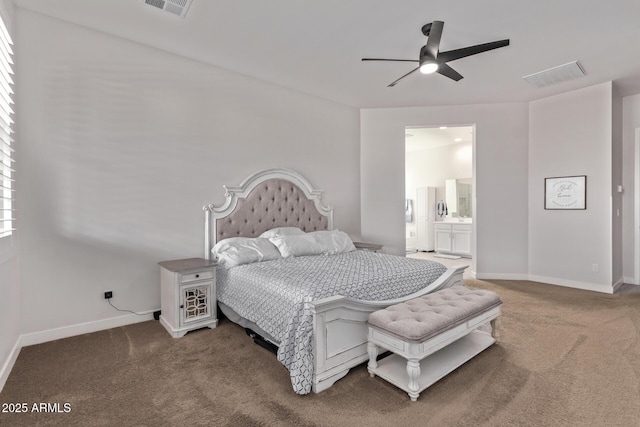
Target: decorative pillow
pixel 333 241
pixel 297 245
pixel 281 231
pixel 243 250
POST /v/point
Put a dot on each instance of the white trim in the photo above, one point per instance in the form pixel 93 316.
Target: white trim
pixel 501 276
pixel 617 285
pixel 636 204
pixel 40 337
pixel 572 284
pixel 630 281
pixel 552 281
pixel 8 364
pixel 84 328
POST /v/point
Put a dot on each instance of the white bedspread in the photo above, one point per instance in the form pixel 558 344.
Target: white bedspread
pixel 272 294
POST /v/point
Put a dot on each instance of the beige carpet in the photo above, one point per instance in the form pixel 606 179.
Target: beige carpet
pixel 566 358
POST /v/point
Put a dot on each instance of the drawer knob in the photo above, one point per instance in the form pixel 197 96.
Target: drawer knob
pixel 181 305
pixel 197 275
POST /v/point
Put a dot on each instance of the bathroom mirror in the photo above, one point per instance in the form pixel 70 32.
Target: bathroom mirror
pixel 458 197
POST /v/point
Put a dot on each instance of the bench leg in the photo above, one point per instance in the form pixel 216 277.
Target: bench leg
pixel 413 369
pixel 495 328
pixel 372 349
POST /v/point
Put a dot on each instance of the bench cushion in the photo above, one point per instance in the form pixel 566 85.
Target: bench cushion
pixel 421 318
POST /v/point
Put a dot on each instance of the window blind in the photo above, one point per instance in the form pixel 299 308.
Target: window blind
pixel 7 157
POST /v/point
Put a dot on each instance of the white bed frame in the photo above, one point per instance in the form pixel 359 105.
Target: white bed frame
pixel 339 323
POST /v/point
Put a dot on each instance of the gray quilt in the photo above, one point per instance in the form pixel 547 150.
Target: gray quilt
pixel 272 295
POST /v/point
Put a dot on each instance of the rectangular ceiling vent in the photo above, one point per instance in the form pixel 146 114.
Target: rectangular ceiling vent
pixel 176 7
pixel 554 75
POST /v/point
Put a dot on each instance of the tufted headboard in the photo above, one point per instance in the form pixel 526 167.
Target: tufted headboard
pixel 265 200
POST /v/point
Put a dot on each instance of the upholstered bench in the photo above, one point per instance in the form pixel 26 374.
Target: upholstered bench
pixel 431 336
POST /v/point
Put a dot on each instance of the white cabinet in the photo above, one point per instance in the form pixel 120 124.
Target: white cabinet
pixel 188 295
pixel 461 239
pixel 425 214
pixel 452 238
pixel 443 238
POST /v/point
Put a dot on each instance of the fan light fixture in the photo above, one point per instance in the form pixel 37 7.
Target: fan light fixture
pixel 428 67
pixel 432 60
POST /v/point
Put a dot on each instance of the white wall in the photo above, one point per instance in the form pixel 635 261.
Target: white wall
pixel 500 179
pixel 9 277
pixel 631 121
pixel 570 134
pixel 123 144
pixel 433 166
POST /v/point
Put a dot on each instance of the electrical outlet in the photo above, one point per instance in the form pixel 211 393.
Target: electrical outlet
pixel 108 294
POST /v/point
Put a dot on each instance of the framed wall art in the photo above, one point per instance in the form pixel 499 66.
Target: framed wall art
pixel 565 192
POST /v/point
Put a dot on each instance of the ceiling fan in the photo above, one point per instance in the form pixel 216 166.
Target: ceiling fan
pixel 432 60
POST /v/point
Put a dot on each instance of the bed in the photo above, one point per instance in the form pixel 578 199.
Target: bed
pixel 313 306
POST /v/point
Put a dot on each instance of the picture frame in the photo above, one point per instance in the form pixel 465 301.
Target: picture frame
pixel 565 193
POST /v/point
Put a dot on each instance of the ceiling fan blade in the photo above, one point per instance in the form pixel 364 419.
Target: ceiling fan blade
pixel 412 71
pixel 447 71
pixel 382 59
pixel 433 42
pixel 426 29
pixel 452 55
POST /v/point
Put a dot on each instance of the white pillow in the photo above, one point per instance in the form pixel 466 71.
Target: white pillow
pixel 333 241
pixel 281 231
pixel 243 250
pixel 297 245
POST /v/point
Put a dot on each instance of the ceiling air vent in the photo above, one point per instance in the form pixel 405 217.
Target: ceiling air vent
pixel 176 7
pixel 554 75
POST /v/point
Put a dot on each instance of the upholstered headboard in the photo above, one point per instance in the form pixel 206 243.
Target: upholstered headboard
pixel 265 200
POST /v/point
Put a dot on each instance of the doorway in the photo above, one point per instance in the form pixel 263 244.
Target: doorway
pixel 438 162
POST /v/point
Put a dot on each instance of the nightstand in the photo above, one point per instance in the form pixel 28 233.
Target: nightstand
pixel 373 247
pixel 187 295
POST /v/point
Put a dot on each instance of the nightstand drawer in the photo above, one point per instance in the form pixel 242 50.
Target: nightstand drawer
pixel 192 277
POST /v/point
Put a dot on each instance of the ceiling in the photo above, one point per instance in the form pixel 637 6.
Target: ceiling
pixel 316 47
pixel 423 138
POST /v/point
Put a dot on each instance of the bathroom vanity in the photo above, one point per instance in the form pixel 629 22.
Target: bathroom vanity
pixel 453 237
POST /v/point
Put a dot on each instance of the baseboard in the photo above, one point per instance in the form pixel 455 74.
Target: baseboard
pixel 550 281
pixel 501 276
pixel 40 337
pixel 630 280
pixel 84 328
pixel 8 364
pixel 572 284
pixel 618 284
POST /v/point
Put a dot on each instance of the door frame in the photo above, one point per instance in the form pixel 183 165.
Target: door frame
pixel 474 187
pixel 636 204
